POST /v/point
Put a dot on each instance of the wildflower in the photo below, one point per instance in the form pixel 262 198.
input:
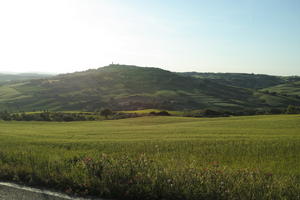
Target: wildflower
pixel 269 175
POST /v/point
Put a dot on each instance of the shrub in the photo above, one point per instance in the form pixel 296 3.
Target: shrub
pixel 275 111
pixel 291 109
pixel 106 112
pixel 161 113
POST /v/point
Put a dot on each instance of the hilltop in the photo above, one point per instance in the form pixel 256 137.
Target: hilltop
pixel 126 87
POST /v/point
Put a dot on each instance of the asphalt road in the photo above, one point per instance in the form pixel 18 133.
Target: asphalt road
pixel 16 192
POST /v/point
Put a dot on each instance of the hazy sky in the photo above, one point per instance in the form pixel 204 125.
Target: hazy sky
pixel 259 36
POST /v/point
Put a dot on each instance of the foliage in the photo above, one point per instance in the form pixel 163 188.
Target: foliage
pixel 291 109
pixel 106 112
pixel 47 116
pixel 160 113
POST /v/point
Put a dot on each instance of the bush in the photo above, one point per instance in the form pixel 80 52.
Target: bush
pixel 275 111
pixel 161 113
pixel 211 113
pixel 121 115
pixel 106 112
pixel 291 109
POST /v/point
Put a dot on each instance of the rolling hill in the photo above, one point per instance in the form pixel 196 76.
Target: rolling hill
pixel 125 87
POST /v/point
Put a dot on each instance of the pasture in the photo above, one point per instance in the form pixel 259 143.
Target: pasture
pixel 158 157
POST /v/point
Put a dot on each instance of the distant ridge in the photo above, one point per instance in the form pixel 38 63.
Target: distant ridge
pixel 6 77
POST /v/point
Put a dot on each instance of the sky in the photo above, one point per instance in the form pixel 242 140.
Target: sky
pixel 59 36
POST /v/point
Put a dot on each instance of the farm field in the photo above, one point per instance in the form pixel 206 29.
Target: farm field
pixel 254 157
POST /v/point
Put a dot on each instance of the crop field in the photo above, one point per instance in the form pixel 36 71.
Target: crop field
pixel 254 157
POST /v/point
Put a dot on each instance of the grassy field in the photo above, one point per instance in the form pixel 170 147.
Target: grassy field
pixel 253 157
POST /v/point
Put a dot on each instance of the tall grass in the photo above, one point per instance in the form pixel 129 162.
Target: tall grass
pixel 158 157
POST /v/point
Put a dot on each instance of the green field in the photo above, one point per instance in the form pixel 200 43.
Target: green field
pixel 253 157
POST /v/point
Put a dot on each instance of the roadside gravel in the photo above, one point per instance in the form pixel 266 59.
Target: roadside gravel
pixel 10 191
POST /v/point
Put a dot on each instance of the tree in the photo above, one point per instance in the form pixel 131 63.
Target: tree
pixel 106 112
pixel 163 113
pixel 275 111
pixel 291 109
pixel 211 113
pixel 5 116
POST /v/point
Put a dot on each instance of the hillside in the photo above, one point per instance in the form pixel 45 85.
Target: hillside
pixel 252 81
pixel 287 89
pixel 123 87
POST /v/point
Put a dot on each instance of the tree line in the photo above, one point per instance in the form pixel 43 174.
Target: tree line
pixel 64 116
pixel 291 109
pixel 109 114
pixel 46 116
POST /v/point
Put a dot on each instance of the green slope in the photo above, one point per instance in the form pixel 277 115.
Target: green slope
pixel 290 89
pixel 123 87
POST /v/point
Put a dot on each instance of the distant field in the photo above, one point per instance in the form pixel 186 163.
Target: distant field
pixel 74 156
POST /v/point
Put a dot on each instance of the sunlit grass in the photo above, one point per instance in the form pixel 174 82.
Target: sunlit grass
pixel 41 153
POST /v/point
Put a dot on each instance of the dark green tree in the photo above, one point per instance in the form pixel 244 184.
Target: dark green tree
pixel 291 109
pixel 106 112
